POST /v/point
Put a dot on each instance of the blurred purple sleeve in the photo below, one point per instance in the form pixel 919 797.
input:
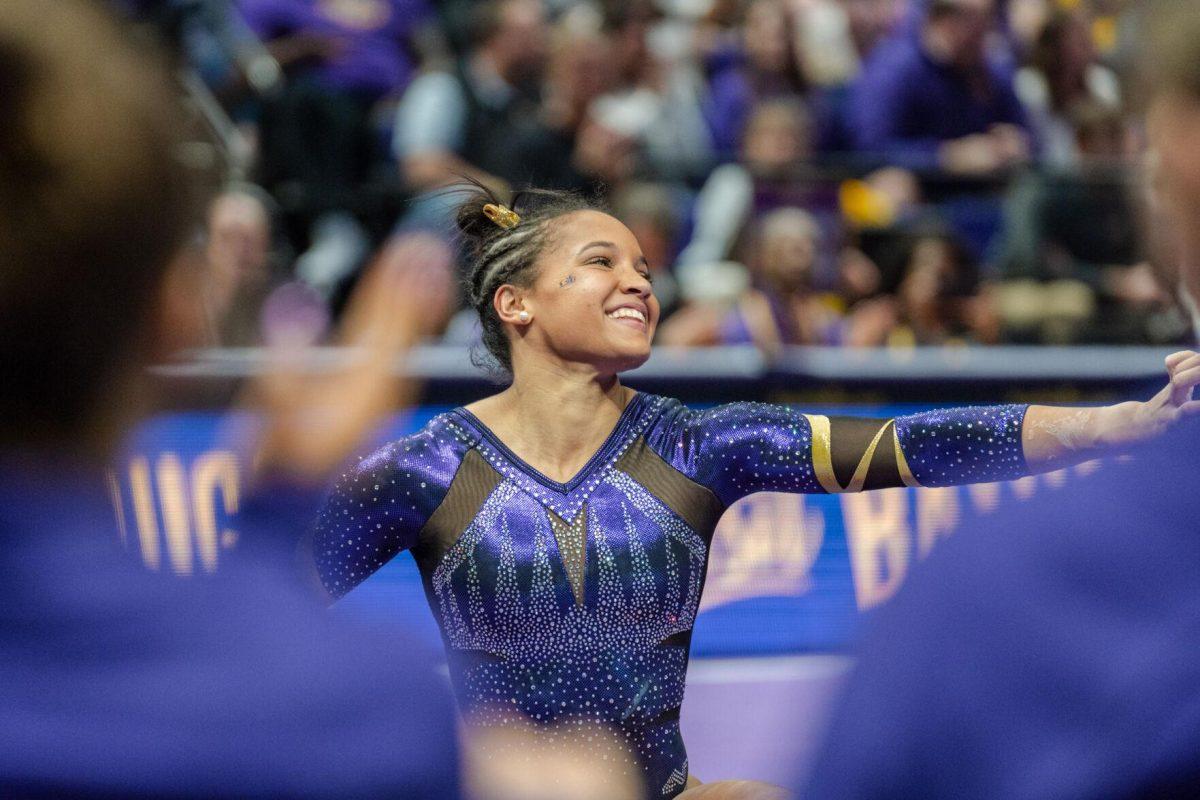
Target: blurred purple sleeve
pixel 412 14
pixel 878 108
pixel 734 329
pixel 726 109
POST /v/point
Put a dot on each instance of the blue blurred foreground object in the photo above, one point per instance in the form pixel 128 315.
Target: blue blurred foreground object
pixel 1051 650
pixel 118 682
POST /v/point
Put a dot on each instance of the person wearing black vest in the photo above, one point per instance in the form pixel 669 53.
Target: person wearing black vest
pixel 458 120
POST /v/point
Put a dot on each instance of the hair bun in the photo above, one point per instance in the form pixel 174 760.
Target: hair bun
pixel 476 227
pixel 502 215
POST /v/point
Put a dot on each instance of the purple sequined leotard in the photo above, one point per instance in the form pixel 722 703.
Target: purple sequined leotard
pixel 574 602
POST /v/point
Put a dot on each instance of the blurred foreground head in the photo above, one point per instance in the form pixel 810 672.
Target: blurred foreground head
pixel 96 201
pixel 1171 75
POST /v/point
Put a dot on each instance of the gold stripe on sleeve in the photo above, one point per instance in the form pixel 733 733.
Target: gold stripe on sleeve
pixel 822 456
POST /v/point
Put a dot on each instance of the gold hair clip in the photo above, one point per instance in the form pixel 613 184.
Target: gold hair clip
pixel 503 216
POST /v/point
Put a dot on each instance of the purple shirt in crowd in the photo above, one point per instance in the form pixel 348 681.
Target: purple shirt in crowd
pixel 906 105
pixel 373 60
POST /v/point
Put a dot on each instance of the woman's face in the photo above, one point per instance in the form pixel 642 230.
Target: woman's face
pixel 775 139
pixel 931 268
pixel 592 302
pixel 765 36
pixel 788 258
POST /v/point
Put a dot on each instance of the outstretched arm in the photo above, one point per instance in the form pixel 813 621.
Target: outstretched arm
pixel 970 445
pixel 943 447
pixel 742 448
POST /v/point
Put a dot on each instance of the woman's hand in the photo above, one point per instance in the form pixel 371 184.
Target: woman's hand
pixel 1055 437
pixel 1157 415
pixel 313 419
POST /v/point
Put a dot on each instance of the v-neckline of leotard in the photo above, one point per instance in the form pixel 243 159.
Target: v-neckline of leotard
pixel 612 442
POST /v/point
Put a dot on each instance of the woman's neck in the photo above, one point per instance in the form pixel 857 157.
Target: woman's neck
pixel 555 419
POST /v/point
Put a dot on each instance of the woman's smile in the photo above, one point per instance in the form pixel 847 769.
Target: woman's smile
pixel 631 316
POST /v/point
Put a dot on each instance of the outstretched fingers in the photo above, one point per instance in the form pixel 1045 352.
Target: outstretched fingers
pixel 1183 381
pixel 1175 359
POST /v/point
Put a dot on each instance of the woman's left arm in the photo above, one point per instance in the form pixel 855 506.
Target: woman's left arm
pixel 1056 437
pixel 741 448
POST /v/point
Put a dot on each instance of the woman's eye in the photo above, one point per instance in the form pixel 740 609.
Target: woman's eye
pixel 602 260
pixel 649 278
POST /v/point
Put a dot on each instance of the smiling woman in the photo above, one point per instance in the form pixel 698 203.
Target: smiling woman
pixel 562 527
pixel 560 260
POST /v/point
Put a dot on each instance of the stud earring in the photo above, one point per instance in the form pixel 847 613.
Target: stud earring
pixel 523 316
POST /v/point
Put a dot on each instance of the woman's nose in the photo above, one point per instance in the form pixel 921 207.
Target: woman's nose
pixel 637 283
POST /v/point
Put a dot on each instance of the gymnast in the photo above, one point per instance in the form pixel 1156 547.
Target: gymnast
pixel 562 526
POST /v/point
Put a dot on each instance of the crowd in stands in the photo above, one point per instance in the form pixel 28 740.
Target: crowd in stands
pixel 812 172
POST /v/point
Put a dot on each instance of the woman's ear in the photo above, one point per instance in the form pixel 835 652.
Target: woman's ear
pixel 511 306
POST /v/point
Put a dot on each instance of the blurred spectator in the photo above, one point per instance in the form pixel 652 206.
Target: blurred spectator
pixel 118 681
pixel 562 149
pixel 238 249
pixel 1073 248
pixel 837 38
pixel 776 146
pixel 340 57
pixel 771 305
pixel 460 120
pixel 930 99
pixel 1024 21
pixel 937 301
pixel 629 23
pixel 1072 222
pixel 319 143
pixel 609 147
pixel 768 65
pixel 782 308
pixel 212 39
pixel 659 93
pixel 859 277
pixel 354 49
pixel 871 21
pixel 829 54
pixel 612 95
pixel 1064 73
pixel 706 299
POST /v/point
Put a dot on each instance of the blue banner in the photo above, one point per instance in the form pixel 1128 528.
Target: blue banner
pixel 788 574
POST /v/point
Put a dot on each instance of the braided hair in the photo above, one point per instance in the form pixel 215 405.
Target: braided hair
pixel 499 256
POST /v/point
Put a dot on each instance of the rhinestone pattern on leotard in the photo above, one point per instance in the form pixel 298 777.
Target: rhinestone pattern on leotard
pixel 570 605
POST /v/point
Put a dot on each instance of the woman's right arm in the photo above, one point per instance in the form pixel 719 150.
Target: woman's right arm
pixel 377 509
